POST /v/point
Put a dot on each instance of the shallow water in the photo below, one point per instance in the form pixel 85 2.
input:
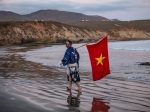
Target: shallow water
pixel 109 94
pixel 126 89
pixel 122 59
pixel 140 45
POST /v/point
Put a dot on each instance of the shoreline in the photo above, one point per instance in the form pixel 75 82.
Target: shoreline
pixel 46 44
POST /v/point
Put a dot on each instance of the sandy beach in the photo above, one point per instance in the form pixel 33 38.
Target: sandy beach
pixel 31 80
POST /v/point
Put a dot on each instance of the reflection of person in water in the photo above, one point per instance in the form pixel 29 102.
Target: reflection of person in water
pixel 99 106
pixel 73 102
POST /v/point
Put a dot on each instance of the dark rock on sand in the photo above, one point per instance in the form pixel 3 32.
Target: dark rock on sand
pixel 145 63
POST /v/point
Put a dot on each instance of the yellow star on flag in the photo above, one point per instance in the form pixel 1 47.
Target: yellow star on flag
pixel 100 60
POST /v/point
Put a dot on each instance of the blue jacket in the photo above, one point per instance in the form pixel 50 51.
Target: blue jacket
pixel 70 57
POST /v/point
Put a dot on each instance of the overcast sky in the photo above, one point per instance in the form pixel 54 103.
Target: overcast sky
pixel 119 9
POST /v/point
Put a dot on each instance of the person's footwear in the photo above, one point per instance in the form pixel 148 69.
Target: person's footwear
pixel 68 89
pixel 79 91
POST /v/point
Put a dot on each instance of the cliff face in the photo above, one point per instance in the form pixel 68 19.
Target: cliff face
pixel 129 34
pixel 25 32
pixel 120 30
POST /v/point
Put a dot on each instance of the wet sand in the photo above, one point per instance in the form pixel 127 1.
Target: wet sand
pixel 28 86
pixel 11 103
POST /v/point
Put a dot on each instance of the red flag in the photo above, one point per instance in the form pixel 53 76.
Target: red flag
pixel 98 54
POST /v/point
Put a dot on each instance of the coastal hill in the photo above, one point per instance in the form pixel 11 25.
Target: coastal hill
pixel 50 15
pixel 20 29
pixel 48 31
pixel 10 16
pixel 119 30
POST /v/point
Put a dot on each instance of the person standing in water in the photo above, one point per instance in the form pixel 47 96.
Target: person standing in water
pixel 71 60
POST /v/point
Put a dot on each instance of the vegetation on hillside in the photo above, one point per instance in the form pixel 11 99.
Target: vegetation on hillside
pixel 16 32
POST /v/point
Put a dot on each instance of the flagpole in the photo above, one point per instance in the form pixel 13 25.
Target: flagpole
pixel 88 43
pixel 81 46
